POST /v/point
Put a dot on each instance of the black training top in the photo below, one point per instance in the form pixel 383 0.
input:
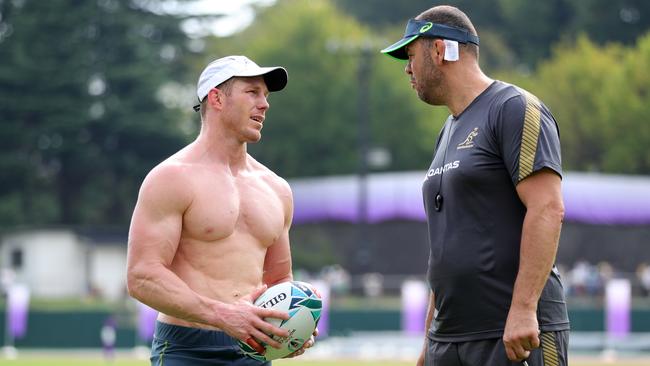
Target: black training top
pixel 475 224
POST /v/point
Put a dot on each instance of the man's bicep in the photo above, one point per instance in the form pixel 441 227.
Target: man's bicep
pixel 542 188
pixel 156 223
pixel 277 263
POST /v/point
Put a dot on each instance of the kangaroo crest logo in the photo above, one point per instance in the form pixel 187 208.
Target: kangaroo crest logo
pixel 469 141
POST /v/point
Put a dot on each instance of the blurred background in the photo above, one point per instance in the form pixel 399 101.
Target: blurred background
pixel 93 94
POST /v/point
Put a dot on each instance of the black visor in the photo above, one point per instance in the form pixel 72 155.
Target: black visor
pixel 422 28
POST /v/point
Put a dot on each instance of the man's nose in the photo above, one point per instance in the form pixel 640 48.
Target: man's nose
pixel 263 104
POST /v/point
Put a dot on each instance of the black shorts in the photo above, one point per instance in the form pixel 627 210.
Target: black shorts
pixel 552 352
pixel 174 345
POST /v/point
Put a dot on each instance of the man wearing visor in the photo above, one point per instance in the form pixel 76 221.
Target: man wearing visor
pixel 494 206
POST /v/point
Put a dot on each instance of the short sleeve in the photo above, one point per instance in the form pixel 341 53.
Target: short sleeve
pixel 528 137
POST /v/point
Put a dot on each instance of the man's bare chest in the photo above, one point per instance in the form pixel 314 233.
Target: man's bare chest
pixel 225 207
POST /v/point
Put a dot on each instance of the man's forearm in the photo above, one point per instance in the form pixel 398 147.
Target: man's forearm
pixel 427 323
pixel 164 291
pixel 430 311
pixel 278 273
pixel 539 243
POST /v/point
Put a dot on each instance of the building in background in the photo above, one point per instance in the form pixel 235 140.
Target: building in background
pixel 60 263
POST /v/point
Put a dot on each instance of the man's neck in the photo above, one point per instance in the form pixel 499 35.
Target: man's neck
pixel 465 88
pixel 217 146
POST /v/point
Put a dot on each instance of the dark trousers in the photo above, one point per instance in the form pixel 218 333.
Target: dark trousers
pixel 492 352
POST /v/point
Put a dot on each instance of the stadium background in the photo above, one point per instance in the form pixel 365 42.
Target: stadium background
pixel 93 94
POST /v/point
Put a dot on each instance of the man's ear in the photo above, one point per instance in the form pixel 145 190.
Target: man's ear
pixel 437 51
pixel 215 98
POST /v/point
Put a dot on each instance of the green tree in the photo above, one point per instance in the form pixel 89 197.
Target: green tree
pixel 626 118
pixel 531 27
pixel 611 20
pixel 81 120
pixel 600 97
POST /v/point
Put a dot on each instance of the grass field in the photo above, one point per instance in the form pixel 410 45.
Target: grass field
pixel 82 361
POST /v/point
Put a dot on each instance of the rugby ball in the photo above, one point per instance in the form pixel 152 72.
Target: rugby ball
pixel 303 303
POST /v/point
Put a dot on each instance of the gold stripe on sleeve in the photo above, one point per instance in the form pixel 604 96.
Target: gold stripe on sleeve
pixel 529 136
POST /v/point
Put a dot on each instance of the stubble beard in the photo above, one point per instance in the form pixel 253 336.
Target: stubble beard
pixel 240 127
pixel 432 86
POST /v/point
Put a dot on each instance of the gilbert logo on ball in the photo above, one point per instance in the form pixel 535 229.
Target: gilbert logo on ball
pixel 303 303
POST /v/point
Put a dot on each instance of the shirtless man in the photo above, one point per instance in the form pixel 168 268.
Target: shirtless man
pixel 210 230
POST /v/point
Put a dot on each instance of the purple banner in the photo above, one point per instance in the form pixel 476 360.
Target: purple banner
pixel 415 298
pixel 618 297
pixel 389 196
pixel 607 199
pixel 108 335
pixel 588 198
pixel 146 322
pixel 17 310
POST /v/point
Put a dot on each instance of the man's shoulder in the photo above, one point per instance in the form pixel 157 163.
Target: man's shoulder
pixel 503 92
pixel 169 170
pixel 510 93
pixel 170 178
pixel 181 166
pixel 509 98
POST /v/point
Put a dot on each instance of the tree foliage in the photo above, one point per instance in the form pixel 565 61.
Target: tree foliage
pixel 599 95
pixel 81 120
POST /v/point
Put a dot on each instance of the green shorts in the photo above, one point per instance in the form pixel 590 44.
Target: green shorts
pixel 174 345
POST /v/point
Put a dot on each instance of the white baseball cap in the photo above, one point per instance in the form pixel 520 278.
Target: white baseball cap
pixel 227 67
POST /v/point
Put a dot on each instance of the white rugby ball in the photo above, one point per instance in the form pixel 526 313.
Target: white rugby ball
pixel 304 305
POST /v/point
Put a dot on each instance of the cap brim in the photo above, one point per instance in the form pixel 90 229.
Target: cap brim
pixel 275 77
pixel 398 49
